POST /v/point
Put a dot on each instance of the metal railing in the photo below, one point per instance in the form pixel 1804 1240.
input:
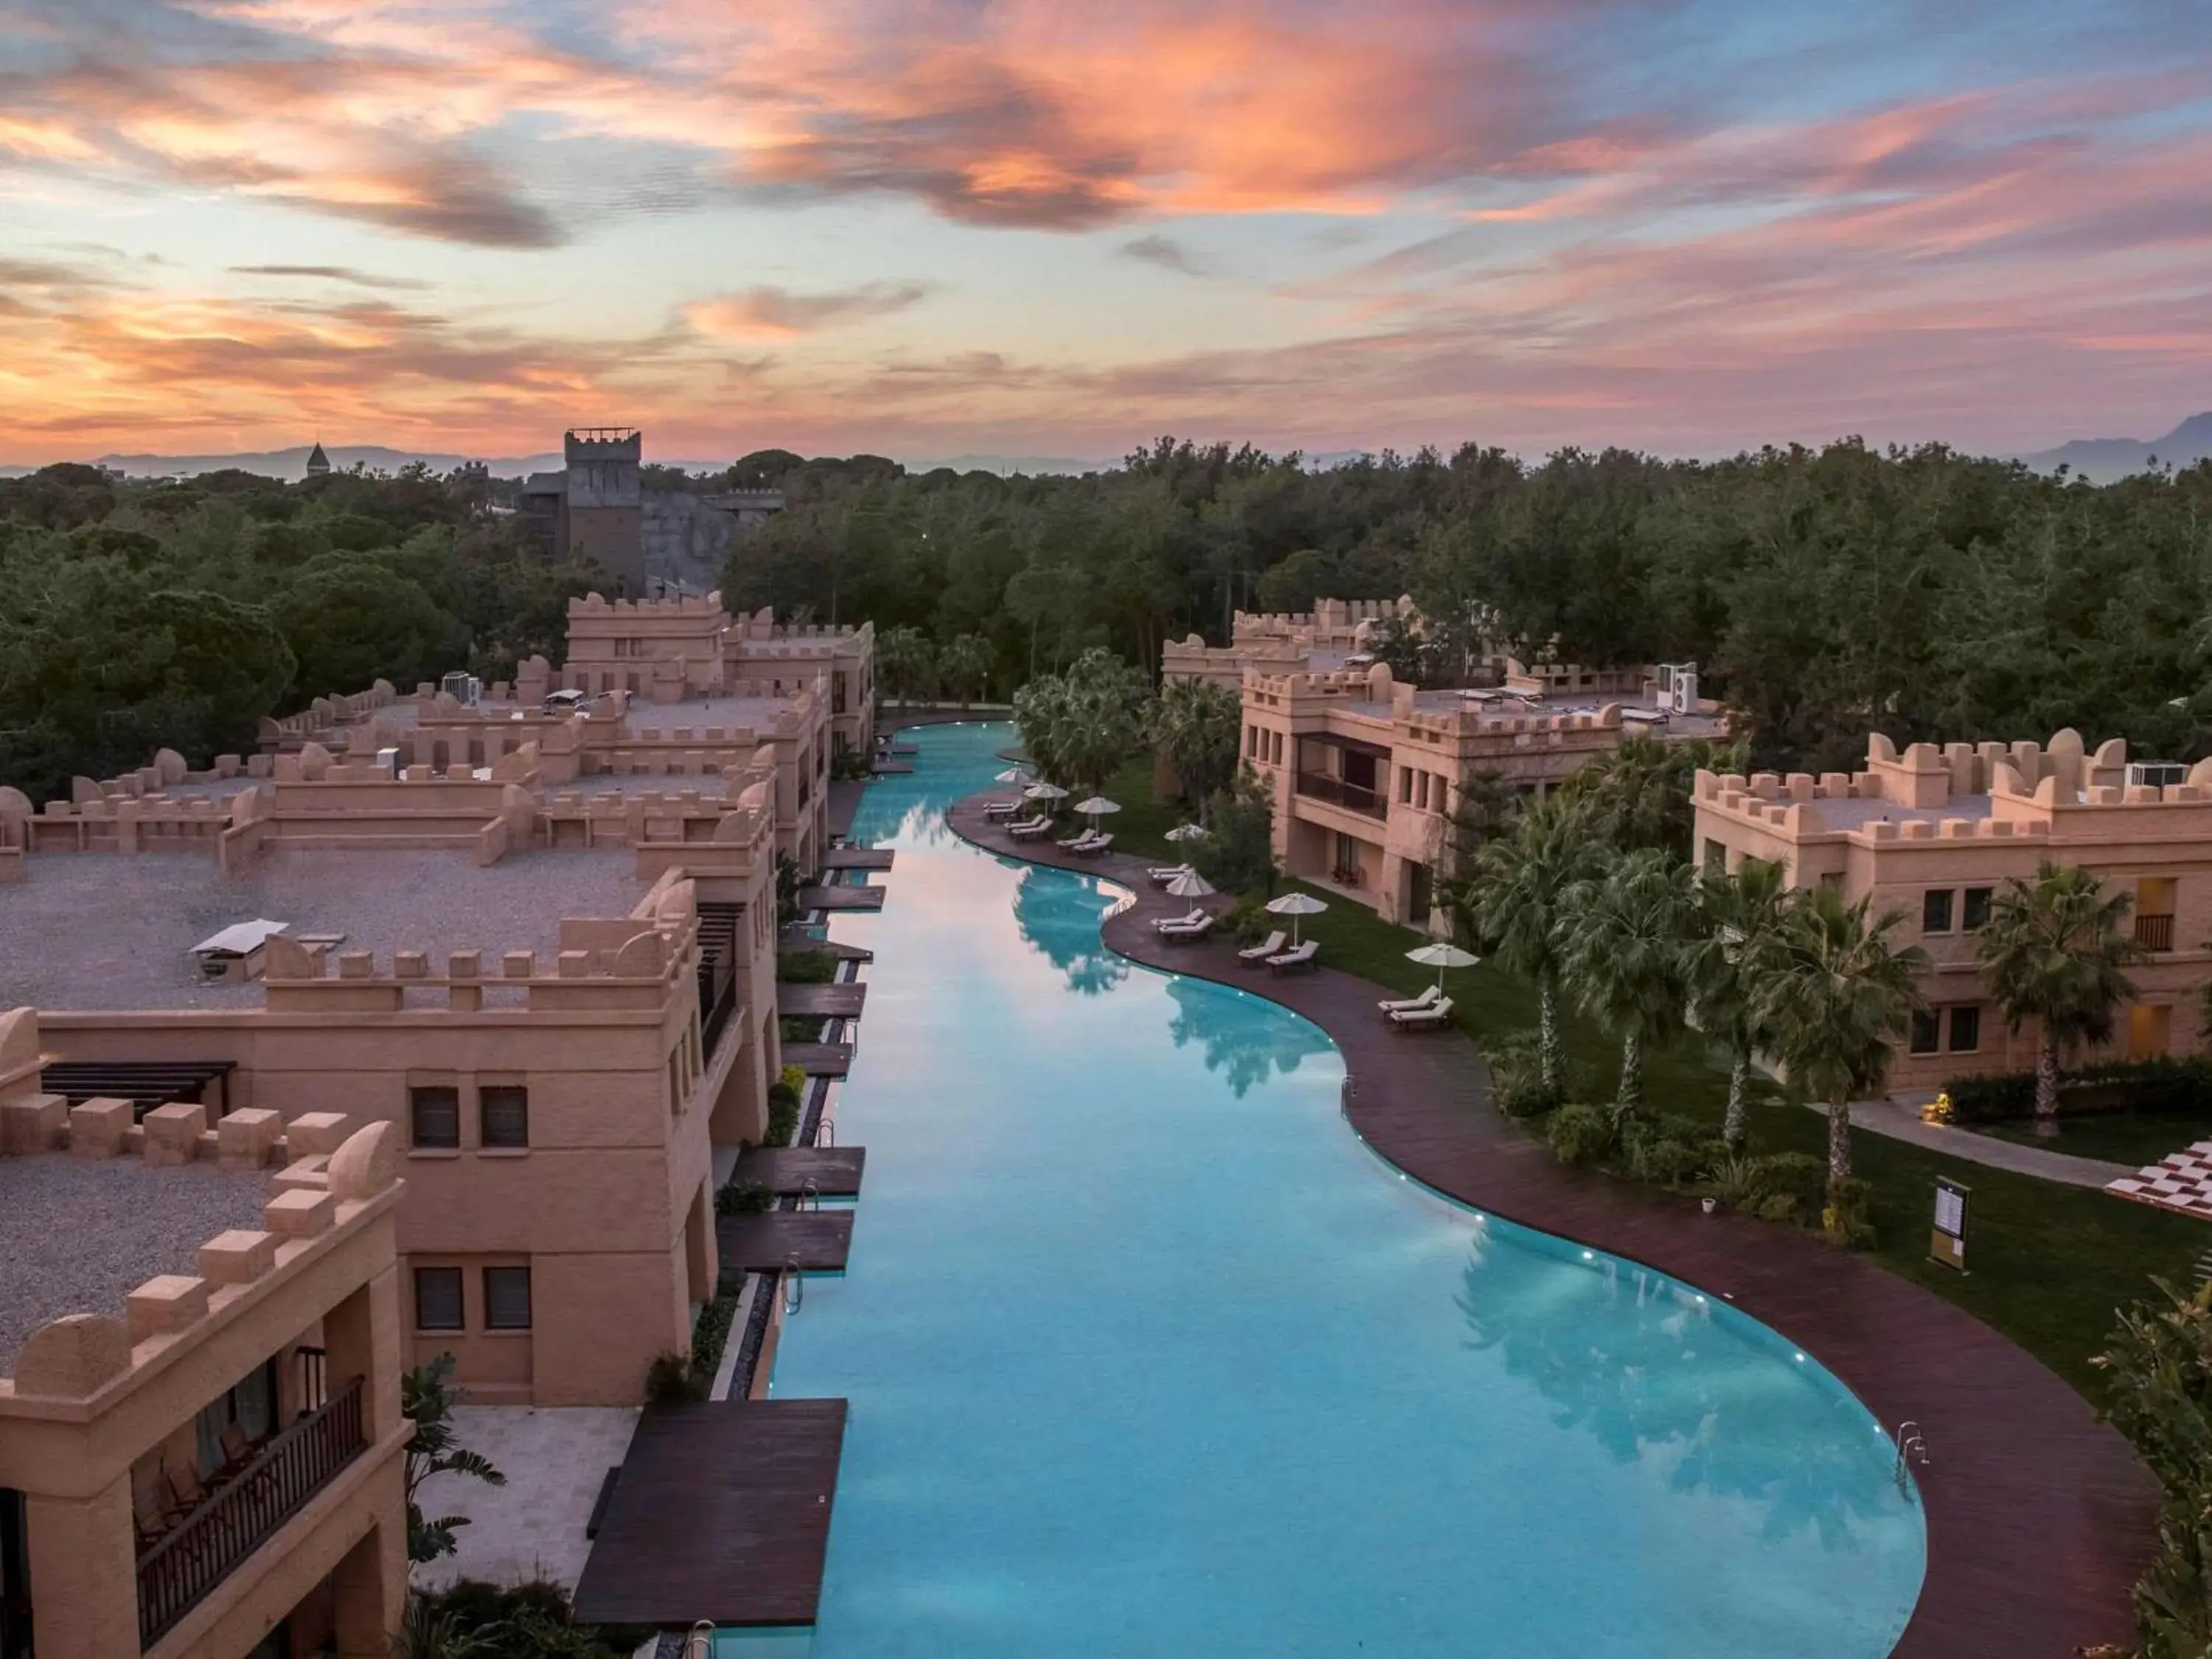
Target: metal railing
pixel 248 1510
pixel 1320 786
pixel 2155 933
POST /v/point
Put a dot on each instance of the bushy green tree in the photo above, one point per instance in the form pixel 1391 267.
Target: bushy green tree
pixel 1519 905
pixel 1624 950
pixel 1237 854
pixel 1197 725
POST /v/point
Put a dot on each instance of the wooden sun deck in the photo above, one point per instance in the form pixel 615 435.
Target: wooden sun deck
pixel 2040 1518
pixel 842 897
pixel 839 1001
pixel 791 940
pixel 786 1171
pixel 819 1059
pixel 885 768
pixel 722 1512
pixel 813 1241
pixel 858 858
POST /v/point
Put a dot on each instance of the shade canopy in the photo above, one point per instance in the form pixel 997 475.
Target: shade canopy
pixel 1045 792
pixel 1294 905
pixel 1014 775
pixel 1441 954
pixel 1096 805
pixel 1187 832
pixel 1189 885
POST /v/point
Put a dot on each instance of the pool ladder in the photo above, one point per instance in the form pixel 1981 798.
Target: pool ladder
pixel 700 1643
pixel 794 1284
pixel 810 1195
pixel 1911 1451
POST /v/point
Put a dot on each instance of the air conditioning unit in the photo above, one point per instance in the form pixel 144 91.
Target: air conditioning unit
pixel 1678 687
pixel 2158 773
pixel 464 688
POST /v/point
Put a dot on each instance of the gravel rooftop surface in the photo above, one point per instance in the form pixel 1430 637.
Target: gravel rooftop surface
pixel 78 1236
pixel 702 712
pixel 101 931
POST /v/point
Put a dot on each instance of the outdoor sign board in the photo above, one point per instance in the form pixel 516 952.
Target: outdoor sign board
pixel 1947 1241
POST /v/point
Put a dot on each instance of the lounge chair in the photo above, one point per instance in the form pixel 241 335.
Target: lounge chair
pixel 1095 845
pixel 1254 955
pixel 1162 874
pixel 1188 929
pixel 1166 924
pixel 1307 955
pixel 1409 1005
pixel 1079 839
pixel 1030 828
pixel 1002 809
pixel 1436 1015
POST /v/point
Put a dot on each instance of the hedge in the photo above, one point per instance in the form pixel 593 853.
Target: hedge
pixel 2178 1087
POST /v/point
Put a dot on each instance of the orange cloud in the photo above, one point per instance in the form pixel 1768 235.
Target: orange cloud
pixel 779 313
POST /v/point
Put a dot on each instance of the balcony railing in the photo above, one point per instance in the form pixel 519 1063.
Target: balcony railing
pixel 245 1511
pixel 1319 786
pixel 2155 933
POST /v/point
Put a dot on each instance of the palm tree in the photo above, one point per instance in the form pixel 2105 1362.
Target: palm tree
pixel 1625 954
pixel 2052 951
pixel 1197 724
pixel 905 661
pixel 964 664
pixel 1835 995
pixel 1742 917
pixel 1518 886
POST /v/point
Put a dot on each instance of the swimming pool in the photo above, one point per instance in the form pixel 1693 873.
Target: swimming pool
pixel 1148 1355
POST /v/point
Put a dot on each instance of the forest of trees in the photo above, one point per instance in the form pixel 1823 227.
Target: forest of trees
pixel 1823 594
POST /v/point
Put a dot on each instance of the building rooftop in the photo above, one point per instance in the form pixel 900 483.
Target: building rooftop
pixel 95 930
pixel 699 713
pixel 79 1235
pixel 1832 813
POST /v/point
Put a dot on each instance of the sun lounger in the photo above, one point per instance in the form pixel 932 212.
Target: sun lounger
pixel 1271 945
pixel 1189 929
pixel 1080 838
pixel 1002 809
pixel 1030 830
pixel 1097 844
pixel 1162 874
pixel 1409 1005
pixel 1165 924
pixel 1436 1014
pixel 1307 955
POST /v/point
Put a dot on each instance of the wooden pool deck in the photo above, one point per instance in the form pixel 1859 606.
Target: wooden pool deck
pixel 842 897
pixel 819 1059
pixel 813 1241
pixel 858 858
pixel 838 1001
pixel 832 1171
pixel 722 1512
pixel 2038 1517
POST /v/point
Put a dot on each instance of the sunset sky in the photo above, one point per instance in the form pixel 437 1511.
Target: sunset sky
pixel 956 226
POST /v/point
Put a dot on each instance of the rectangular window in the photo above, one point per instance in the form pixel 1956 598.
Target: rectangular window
pixel 1716 858
pixel 1977 909
pixel 1966 1030
pixel 438 1299
pixel 503 1115
pixel 1935 910
pixel 1927 1030
pixel 1406 786
pixel 507 1298
pixel 1833 880
pixel 434 1115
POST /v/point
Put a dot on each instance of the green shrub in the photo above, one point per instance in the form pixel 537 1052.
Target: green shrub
pixel 670 1380
pixel 1528 1097
pixel 2163 1086
pixel 1248 919
pixel 521 1621
pixel 1580 1134
pixel 1847 1218
pixel 1790 1187
pixel 2158 1375
pixel 782 1112
pixel 794 1078
pixel 807 967
pixel 744 1197
pixel 796 1030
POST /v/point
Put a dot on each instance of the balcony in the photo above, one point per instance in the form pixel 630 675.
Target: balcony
pixel 1320 786
pixel 245 1511
pixel 2155 933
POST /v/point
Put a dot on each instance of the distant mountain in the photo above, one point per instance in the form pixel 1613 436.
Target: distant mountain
pixel 291 464
pixel 2101 460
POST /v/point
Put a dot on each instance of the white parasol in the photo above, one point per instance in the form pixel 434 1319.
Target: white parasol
pixel 1294 905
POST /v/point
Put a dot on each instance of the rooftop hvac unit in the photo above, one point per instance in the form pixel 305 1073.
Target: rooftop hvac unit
pixel 1678 687
pixel 2158 773
pixel 464 688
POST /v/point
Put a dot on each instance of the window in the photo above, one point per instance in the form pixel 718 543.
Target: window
pixel 507 1298
pixel 1966 1030
pixel 503 1115
pixel 1935 910
pixel 1406 786
pixel 1976 909
pixel 1927 1026
pixel 438 1299
pixel 1833 880
pixel 1716 858
pixel 435 1115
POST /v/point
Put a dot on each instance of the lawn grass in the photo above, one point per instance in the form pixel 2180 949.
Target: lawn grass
pixel 2134 1138
pixel 2048 1263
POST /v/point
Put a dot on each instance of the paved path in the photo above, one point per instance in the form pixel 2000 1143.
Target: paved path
pixel 2038 1517
pixel 1887 1117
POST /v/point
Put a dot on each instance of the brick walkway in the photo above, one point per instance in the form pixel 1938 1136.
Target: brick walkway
pixel 2038 1517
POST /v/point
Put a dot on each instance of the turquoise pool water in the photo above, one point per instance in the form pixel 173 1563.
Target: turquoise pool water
pixel 1148 1355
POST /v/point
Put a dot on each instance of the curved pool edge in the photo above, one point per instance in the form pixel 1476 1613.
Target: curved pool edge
pixel 2022 1473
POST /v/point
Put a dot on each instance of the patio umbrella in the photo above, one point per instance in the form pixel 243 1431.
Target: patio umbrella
pixel 1097 807
pixel 1045 792
pixel 1295 905
pixel 1014 775
pixel 1440 954
pixel 1187 832
pixel 1189 885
